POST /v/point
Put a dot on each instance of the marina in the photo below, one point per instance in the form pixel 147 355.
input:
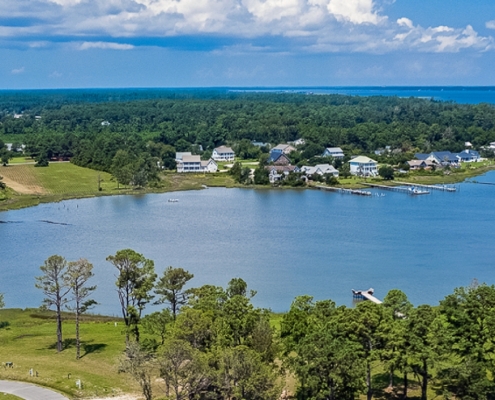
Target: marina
pixel 443 188
pixel 345 191
pixel 413 191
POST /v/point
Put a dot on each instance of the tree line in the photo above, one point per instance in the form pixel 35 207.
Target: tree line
pixel 212 343
pixel 91 131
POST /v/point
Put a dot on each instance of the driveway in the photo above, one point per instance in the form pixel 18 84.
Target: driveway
pixel 29 391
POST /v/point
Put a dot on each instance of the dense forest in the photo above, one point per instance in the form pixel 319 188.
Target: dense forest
pixel 147 127
pixel 212 343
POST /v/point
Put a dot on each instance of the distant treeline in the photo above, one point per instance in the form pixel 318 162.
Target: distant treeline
pixel 92 125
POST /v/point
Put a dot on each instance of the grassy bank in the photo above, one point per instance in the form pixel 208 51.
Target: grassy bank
pixel 29 342
pixel 30 186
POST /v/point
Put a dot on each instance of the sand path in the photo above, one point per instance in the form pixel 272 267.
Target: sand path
pixel 23 189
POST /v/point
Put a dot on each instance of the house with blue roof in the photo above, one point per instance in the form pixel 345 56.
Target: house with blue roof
pixel 468 156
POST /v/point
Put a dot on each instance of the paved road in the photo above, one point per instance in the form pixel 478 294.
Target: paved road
pixel 29 391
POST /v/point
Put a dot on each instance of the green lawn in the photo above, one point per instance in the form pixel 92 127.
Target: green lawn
pixel 29 342
pixel 20 160
pixel 5 396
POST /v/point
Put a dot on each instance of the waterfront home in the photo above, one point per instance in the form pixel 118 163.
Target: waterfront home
pixel 209 166
pixel 468 156
pixel 492 146
pixel 279 159
pixel 180 154
pixel 363 166
pixel 420 164
pixel 278 172
pixel 282 149
pixel 190 163
pixel 439 158
pixel 223 153
pixel 320 169
pixel 335 152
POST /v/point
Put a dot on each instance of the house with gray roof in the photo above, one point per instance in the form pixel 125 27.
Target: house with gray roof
pixel 335 152
pixel 223 153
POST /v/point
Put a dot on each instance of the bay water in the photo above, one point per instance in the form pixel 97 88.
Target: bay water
pixel 283 243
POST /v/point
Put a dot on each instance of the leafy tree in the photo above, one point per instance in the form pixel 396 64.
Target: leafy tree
pixel 77 276
pixel 122 167
pixel 156 323
pixel 55 288
pixel 386 172
pixel 393 353
pixel 2 300
pixel 140 365
pixel 243 375
pixel 170 288
pixel 261 176
pixel 184 370
pixel 135 280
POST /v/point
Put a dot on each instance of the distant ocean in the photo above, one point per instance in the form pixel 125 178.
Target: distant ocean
pixel 458 94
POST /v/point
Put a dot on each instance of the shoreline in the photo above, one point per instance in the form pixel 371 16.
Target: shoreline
pixel 17 201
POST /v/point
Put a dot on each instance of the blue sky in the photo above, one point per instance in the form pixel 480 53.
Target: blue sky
pixel 191 43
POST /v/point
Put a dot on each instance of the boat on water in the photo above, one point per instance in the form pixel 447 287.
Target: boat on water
pixel 173 200
pixel 415 191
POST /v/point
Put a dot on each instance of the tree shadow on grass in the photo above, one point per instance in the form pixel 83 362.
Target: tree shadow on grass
pixel 86 347
pixel 381 390
pixel 89 348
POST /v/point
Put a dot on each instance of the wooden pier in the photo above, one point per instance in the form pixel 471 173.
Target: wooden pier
pixel 366 295
pixel 443 188
pixel 411 191
pixel 344 191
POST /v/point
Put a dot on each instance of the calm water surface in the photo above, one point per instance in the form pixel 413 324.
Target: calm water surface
pixel 284 243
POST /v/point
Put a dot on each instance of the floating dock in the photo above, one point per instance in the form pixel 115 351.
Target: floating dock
pixel 443 188
pixel 345 191
pixel 411 191
pixel 366 295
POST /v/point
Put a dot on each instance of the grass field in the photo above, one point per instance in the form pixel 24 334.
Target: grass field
pixel 29 342
pixel 59 178
pixel 5 396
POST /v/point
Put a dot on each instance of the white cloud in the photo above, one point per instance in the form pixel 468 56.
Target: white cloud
pixel 303 25
pixel 490 24
pixel 18 71
pixel 104 45
pixel 355 11
pixel 55 74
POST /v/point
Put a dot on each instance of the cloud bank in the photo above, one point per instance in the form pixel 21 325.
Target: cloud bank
pixel 304 25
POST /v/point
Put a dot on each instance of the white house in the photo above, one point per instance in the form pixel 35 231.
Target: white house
pixel 223 153
pixel 194 164
pixel 364 166
pixel 335 152
pixel 320 169
pixel 209 166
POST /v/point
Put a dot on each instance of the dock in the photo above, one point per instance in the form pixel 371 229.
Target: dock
pixel 366 295
pixel 344 191
pixel 411 191
pixel 443 188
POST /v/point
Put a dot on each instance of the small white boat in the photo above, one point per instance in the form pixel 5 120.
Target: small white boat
pixel 173 200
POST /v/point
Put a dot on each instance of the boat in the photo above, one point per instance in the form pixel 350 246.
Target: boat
pixel 416 191
pixel 173 200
